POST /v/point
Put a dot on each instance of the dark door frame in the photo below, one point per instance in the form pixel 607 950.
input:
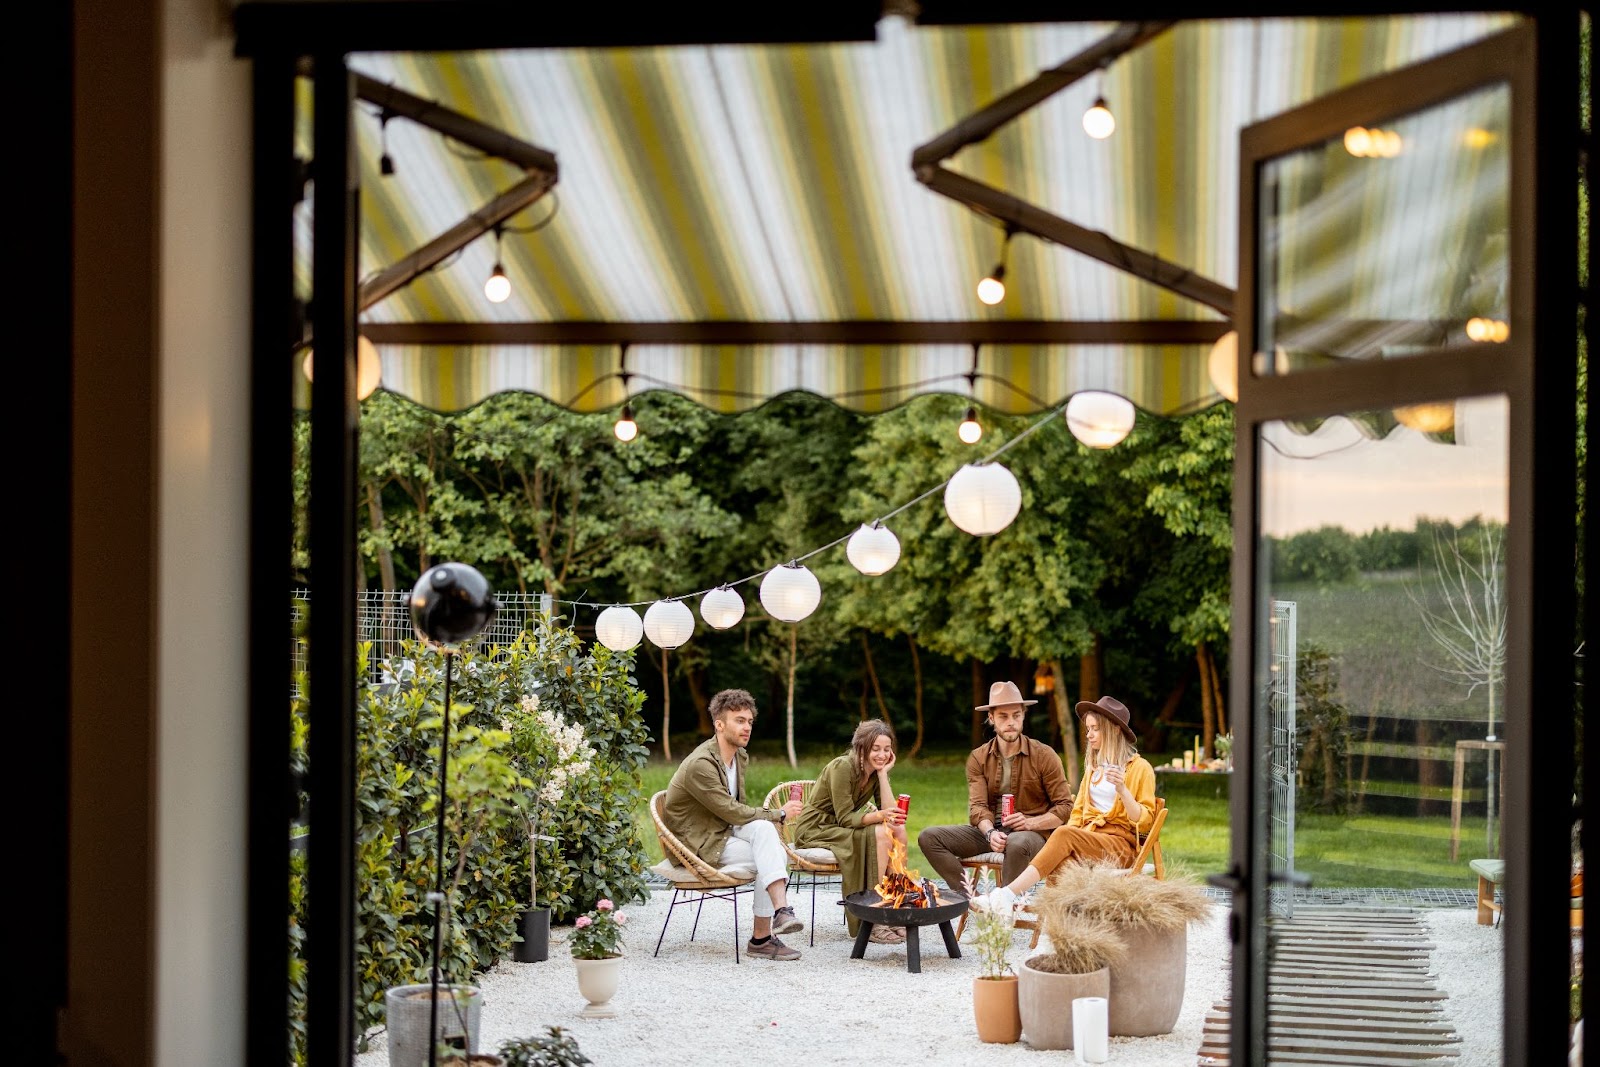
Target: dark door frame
pixel 275 34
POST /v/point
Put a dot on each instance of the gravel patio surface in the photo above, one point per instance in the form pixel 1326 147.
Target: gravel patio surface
pixel 692 1003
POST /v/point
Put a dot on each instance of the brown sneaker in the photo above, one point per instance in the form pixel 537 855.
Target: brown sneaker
pixel 772 950
pixel 784 921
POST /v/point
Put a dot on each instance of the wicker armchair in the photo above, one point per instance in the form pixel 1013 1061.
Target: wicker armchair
pixel 693 879
pixel 819 863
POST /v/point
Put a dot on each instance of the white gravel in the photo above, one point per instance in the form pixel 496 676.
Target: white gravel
pixel 692 1005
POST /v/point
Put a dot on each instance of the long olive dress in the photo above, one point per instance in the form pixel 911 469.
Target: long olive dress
pixel 832 819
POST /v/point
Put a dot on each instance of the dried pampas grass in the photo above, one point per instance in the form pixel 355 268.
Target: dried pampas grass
pixel 1113 895
pixel 1079 944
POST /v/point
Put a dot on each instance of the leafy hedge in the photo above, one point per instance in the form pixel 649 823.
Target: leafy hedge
pixel 596 852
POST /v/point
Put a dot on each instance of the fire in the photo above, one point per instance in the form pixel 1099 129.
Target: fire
pixel 900 888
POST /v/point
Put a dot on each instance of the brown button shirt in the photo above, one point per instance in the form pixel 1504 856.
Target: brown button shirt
pixel 1037 781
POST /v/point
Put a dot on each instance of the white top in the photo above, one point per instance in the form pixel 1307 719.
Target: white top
pixel 733 778
pixel 1102 794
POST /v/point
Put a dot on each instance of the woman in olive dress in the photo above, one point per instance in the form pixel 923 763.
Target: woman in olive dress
pixel 837 815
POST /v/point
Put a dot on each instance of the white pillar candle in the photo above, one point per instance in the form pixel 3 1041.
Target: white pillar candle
pixel 1090 1022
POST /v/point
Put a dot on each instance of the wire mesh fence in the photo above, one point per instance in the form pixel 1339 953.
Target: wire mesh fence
pixel 384 619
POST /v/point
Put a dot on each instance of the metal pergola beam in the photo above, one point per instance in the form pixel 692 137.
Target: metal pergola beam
pixel 453 124
pixel 859 332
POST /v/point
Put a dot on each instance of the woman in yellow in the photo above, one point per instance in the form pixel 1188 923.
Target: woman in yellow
pixel 836 815
pixel 1116 803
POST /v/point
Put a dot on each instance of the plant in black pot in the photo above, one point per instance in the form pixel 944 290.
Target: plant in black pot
pixel 550 753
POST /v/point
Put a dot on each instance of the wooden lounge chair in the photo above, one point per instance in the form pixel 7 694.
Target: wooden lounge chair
pixel 819 863
pixel 694 879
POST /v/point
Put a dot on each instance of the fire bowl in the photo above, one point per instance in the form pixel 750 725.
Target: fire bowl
pixel 865 906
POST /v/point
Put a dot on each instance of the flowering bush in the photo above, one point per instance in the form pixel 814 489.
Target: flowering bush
pixel 598 935
pixel 550 752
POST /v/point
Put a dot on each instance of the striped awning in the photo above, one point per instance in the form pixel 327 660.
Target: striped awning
pixel 772 185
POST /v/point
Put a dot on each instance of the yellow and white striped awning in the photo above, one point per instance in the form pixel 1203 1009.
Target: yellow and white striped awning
pixel 772 184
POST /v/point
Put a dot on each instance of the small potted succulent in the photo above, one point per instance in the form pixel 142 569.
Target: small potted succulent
pixel 596 945
pixel 1081 951
pixel 994 992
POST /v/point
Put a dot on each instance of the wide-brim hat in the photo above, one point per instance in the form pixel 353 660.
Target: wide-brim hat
pixel 1001 694
pixel 1109 708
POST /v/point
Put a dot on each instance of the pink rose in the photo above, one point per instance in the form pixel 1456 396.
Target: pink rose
pixel 603 904
pixel 622 920
pixel 583 920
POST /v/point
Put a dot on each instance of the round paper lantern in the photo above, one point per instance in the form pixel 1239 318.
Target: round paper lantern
pixel 668 623
pixel 1099 420
pixel 369 368
pixel 451 604
pixel 619 629
pixel 1223 365
pixel 1427 418
pixel 790 593
pixel 873 549
pixel 721 608
pixel 982 500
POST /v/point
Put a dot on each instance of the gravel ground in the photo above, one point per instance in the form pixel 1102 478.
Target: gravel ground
pixel 692 1003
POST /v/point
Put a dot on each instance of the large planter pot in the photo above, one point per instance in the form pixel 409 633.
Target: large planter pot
pixel 1147 988
pixel 535 944
pixel 407 1010
pixel 597 981
pixel 1045 1002
pixel 994 1009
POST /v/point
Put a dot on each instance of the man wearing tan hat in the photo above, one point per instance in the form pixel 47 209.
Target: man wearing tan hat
pixel 1010 763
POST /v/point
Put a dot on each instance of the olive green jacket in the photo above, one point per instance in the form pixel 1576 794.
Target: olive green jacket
pixel 698 808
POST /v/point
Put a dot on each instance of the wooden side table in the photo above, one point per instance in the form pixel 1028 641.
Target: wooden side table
pixel 1462 748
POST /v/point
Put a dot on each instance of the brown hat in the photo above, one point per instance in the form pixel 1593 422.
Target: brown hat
pixel 1108 708
pixel 1002 694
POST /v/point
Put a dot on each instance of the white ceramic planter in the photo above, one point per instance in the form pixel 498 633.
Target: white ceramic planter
pixel 1045 1001
pixel 597 981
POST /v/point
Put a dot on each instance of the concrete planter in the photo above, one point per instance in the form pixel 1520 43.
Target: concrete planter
pixel 1147 989
pixel 994 1009
pixel 1045 1002
pixel 407 1009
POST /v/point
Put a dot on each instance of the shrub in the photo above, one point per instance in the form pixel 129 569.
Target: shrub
pixel 598 935
pixel 557 1049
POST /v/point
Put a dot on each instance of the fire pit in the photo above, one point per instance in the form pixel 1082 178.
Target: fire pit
pixel 903 898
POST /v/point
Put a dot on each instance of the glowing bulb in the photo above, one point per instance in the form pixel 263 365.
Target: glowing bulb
pixel 626 429
pixel 1388 143
pixel 1223 365
pixel 1427 418
pixel 498 287
pixel 1478 329
pixel 1477 137
pixel 1358 141
pixel 992 289
pixel 369 368
pixel 1098 122
pixel 970 429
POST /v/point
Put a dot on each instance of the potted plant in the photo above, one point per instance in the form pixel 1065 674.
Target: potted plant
pixel 1081 951
pixel 556 1048
pixel 994 992
pixel 408 1012
pixel 549 752
pixel 597 951
pixel 1151 918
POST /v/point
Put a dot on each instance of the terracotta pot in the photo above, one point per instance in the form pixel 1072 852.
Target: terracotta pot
pixel 597 981
pixel 1045 1002
pixel 1147 989
pixel 994 1008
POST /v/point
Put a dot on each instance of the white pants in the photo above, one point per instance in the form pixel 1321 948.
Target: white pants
pixel 757 842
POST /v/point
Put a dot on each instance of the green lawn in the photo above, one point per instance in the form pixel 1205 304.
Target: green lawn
pixel 1359 850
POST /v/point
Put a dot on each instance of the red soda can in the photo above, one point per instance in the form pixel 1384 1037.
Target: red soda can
pixel 795 790
pixel 904 801
pixel 1008 804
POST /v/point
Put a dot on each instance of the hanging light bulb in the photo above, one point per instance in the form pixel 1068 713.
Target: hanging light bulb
pixel 1223 365
pixel 1099 420
pixel 873 549
pixel 626 429
pixel 982 500
pixel 992 289
pixel 385 161
pixel 790 592
pixel 498 287
pixel 668 623
pixel 1098 122
pixel 369 368
pixel 618 628
pixel 970 429
pixel 1427 418
pixel 721 608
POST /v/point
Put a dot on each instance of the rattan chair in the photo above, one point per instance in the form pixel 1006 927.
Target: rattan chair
pixel 725 883
pixel 820 864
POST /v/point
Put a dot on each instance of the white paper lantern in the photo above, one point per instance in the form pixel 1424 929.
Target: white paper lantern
pixel 668 623
pixel 619 629
pixel 1223 365
pixel 790 593
pixel 721 608
pixel 873 549
pixel 982 500
pixel 1099 420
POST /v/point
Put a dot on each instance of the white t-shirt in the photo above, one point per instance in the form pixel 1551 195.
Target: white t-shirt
pixel 733 778
pixel 1102 794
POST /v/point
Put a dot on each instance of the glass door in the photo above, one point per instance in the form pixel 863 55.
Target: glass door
pixel 1382 580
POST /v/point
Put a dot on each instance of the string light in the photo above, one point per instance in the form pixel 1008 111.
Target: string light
pixel 369 368
pixel 498 287
pixel 1098 122
pixel 1099 420
pixel 1223 365
pixel 626 429
pixel 992 289
pixel 970 429
pixel 385 161
pixel 1480 329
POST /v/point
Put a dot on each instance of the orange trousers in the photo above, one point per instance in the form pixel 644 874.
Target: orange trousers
pixel 1084 846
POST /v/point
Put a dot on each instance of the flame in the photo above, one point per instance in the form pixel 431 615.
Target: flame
pixel 900 888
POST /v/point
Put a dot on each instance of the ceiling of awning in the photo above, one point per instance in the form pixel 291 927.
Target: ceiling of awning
pixel 772 184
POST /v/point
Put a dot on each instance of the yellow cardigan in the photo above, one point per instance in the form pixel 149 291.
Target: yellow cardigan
pixel 1140 778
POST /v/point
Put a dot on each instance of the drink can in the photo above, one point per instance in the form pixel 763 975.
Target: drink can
pixel 904 801
pixel 1008 804
pixel 795 789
